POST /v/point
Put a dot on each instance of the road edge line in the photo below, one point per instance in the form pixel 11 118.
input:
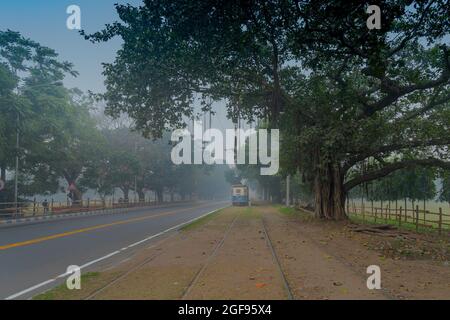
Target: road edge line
pixel 37 286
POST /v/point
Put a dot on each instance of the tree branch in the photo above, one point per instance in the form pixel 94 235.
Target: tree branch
pixel 394 92
pixel 412 33
pixel 433 103
pixel 386 170
pixel 395 147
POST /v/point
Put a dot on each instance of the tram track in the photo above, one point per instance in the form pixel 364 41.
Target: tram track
pixel 213 254
pixel 146 261
pixel 202 270
pixel 290 295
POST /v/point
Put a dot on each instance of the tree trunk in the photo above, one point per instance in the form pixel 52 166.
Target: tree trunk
pixel 160 195
pixel 126 193
pixel 276 195
pixel 3 174
pixel 266 196
pixel 3 196
pixel 75 195
pixel 141 196
pixel 329 192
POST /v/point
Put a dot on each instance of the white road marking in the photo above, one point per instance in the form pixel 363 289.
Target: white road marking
pixel 39 285
pixel 30 289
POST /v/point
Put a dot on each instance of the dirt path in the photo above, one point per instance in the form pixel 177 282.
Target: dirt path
pixel 259 253
pixel 402 276
pixel 312 272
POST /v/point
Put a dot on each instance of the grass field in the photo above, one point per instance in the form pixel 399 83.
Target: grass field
pixel 418 215
pixel 430 208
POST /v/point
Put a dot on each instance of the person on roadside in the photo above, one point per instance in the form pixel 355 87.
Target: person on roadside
pixel 45 206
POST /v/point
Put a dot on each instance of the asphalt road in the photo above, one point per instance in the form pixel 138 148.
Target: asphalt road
pixel 35 256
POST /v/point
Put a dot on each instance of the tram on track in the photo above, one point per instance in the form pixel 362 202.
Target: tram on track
pixel 239 195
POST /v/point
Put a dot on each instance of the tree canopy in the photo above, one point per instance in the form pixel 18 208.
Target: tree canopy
pixel 63 147
pixel 344 96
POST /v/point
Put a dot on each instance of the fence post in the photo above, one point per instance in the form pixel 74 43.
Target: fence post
pixel 364 211
pixel 424 210
pixel 389 210
pixel 400 217
pixel 425 217
pixel 417 218
pixel 381 209
pixel 88 203
pixel 396 209
pixel 440 221
pixel 51 208
pixel 406 210
pixel 34 206
pixel 372 207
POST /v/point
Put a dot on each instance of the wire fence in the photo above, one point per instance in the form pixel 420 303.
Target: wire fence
pixel 33 208
pixel 418 219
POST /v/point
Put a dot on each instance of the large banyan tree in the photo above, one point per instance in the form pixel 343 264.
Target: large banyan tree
pixel 353 104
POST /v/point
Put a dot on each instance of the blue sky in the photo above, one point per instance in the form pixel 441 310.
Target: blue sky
pixel 45 22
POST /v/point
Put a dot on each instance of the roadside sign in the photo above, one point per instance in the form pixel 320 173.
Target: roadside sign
pixel 2 184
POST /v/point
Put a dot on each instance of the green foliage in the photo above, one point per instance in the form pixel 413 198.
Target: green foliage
pixel 127 161
pixel 342 94
pixel 414 184
pixel 444 194
pixel 61 144
pixel 35 106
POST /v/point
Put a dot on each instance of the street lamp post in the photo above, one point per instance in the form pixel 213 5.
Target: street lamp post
pixel 135 176
pixel 16 180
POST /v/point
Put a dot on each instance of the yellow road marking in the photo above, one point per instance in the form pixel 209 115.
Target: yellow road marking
pixel 69 233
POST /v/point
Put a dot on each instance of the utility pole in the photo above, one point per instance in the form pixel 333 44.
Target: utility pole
pixel 288 191
pixel 135 176
pixel 16 182
pixel 135 189
pixel 235 143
